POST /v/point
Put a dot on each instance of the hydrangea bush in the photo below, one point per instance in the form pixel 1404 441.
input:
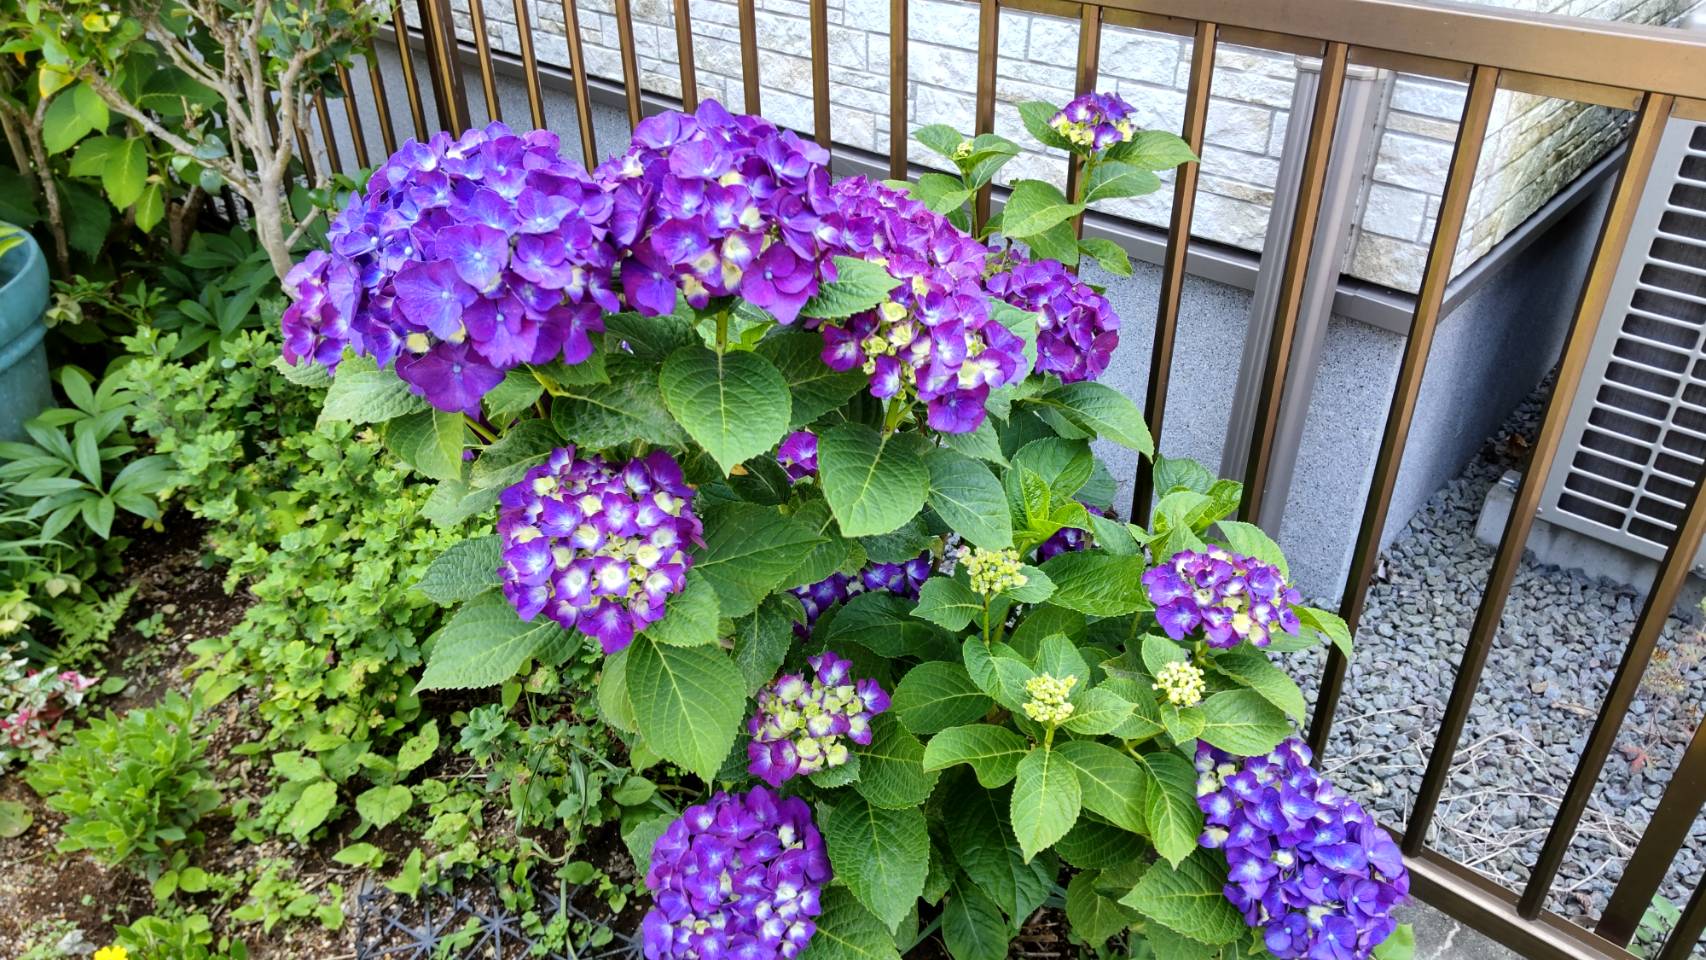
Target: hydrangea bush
pixel 812 461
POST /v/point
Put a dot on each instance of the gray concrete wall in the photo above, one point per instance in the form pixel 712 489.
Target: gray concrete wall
pixel 1488 354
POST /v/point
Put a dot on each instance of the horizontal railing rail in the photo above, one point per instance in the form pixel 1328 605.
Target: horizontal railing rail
pixel 1659 73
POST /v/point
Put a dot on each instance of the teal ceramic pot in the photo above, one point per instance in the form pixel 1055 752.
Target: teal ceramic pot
pixel 24 387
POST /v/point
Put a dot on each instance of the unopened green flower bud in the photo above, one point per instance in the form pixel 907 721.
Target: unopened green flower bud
pixel 992 571
pixel 1181 682
pixel 1048 698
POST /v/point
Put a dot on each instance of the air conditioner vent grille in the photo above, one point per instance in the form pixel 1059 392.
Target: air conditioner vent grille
pixel 1636 443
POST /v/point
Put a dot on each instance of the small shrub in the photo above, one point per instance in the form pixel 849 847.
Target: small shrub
pixel 132 787
pixel 33 704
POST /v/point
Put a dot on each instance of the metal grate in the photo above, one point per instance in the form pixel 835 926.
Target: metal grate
pixel 1636 436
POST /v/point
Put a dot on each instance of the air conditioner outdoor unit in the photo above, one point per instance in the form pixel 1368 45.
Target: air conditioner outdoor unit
pixel 1635 441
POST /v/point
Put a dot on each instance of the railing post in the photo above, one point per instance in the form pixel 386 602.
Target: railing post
pixel 444 67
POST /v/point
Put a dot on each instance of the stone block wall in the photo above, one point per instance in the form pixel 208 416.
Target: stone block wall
pixel 1536 145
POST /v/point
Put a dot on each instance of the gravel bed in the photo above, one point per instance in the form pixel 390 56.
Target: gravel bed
pixel 1560 641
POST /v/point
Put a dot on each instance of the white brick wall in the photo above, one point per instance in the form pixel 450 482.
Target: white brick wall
pixel 1535 145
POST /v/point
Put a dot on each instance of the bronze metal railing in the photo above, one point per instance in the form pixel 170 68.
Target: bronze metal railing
pixel 1660 73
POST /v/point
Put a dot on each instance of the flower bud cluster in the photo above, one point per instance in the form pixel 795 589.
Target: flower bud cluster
pixel 740 876
pixel 803 726
pixel 992 571
pixel 1048 698
pixel 597 548
pixel 1308 867
pixel 1230 596
pixel 1181 682
pixel 1095 120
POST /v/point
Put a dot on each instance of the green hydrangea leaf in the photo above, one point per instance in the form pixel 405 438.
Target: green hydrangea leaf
pixel 1253 669
pixel 1097 584
pixel 523 447
pixel 1103 411
pixel 749 551
pixel 1033 207
pixel 762 639
pixel 883 623
pixel 483 645
pixel 463 572
pixel 815 387
pixel 1243 723
pixel 881 854
pixel 937 695
pixel 859 285
pixel 972 928
pixel 1187 898
pixel 992 752
pixel 848 931
pixel 1171 812
pixel 1114 785
pixel 690 617
pixel 874 482
pixel 734 404
pixel 891 766
pixel 949 603
pixel 1092 915
pixel 688 702
pixel 629 407
pixel 968 497
pixel 1047 799
pixel 362 393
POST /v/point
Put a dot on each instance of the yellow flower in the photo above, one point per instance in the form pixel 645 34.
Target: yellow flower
pixel 114 952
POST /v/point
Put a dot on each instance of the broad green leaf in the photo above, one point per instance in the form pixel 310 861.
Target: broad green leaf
pixel 1113 784
pixel 650 339
pixel 941 193
pixel 1171 811
pixel 749 550
pixel 734 404
pixel 630 407
pixel 1187 898
pixel 873 481
pixel 1183 724
pixel 891 767
pixel 1171 945
pixel 1098 711
pixel 1092 915
pixel 362 394
pixel 430 441
pixel 1112 180
pixel 1033 207
pixel 1399 945
pixel 381 806
pixel 998 670
pixel 1180 473
pixel 1253 541
pixel 690 616
pixel 15 818
pixel 1158 651
pixel 1145 720
pixel 762 639
pixel 1104 411
pixel 641 836
pixel 68 119
pixel 881 854
pixel 1329 625
pixel 1153 150
pixel 1094 844
pixel 966 495
pixel 518 390
pixel 93 155
pixel 1047 799
pixel 1036 116
pixel 360 855
pixel 901 544
pixel 1058 657
pixel 982 843
pixel 936 695
pixel 992 752
pixel 523 447
pixel 150 208
pixel 311 809
pixel 883 623
pixel 688 702
pixel 815 387
pixel 940 138
pixel 833 553
pixel 126 172
pixel 972 928
pixel 1097 584
pixel 848 931
pixel 1243 723
pixel 419 748
pixel 949 603
pixel 1252 668
pixel 483 645
pixel 1109 254
pixel 615 707
pixel 463 572
pixel 859 285
pixel 981 444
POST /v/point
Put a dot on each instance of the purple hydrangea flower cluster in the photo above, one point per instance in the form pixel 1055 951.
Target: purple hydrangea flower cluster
pixel 901 579
pixel 1067 540
pixel 462 258
pixel 712 204
pixel 598 549
pixel 737 877
pixel 1230 596
pixel 1308 866
pixel 798 455
pixel 934 338
pixel 1095 120
pixel 1077 329
pixel 800 725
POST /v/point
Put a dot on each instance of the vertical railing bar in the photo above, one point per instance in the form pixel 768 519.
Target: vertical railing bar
pixel 483 48
pixel 1668 828
pixel 358 139
pixel 324 114
pixel 1614 233
pixel 819 10
pixel 411 81
pixel 529 64
pixel 899 80
pixel 749 56
pixel 387 131
pixel 448 89
pixel 684 53
pixel 1680 944
pixel 1197 94
pixel 1311 189
pixel 583 91
pixel 630 62
pixel 988 53
pixel 1089 61
pixel 1667 583
pixel 1442 253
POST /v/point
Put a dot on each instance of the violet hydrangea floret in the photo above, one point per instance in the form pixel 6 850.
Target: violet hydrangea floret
pixel 1229 596
pixel 798 455
pixel 904 580
pixel 460 259
pixel 739 876
pixel 596 547
pixel 1308 867
pixel 1095 121
pixel 1077 329
pixel 1067 539
pixel 804 725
